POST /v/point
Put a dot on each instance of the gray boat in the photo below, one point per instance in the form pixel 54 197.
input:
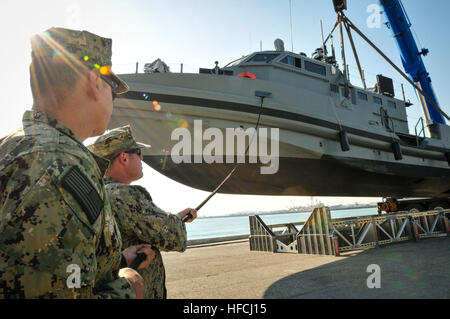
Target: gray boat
pixel 335 139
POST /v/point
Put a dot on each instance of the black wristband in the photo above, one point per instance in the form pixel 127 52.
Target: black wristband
pixel 123 262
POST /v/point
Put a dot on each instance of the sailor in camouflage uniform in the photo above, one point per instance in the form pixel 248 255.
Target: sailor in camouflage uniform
pixel 139 219
pixel 58 237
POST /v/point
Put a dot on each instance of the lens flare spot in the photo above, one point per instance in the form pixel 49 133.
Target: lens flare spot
pixel 105 70
pixel 156 106
pixel 183 123
pixel 86 58
pixel 96 66
pixel 57 57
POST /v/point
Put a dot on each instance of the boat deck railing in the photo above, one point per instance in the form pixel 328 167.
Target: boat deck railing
pixel 138 68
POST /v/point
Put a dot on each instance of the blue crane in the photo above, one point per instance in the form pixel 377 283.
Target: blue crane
pixel 411 56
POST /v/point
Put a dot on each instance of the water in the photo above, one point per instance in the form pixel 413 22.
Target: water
pixel 239 225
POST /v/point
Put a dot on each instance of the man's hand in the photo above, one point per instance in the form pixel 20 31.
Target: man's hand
pixel 131 252
pixel 187 211
pixel 135 279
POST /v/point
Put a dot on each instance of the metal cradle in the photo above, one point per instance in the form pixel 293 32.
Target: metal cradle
pixel 321 235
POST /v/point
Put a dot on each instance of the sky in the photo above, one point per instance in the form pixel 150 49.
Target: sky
pixel 199 32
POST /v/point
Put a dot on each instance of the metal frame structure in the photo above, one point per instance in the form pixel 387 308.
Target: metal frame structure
pixel 321 235
pixel 411 56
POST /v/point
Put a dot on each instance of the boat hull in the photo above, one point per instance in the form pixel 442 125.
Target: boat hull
pixel 327 176
pixel 311 161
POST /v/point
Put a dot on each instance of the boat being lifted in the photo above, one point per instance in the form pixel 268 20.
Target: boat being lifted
pixel 333 138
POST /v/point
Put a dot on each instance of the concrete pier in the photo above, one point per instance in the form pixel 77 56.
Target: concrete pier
pixel 231 271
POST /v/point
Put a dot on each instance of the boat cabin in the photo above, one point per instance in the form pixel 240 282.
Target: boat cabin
pixel 321 77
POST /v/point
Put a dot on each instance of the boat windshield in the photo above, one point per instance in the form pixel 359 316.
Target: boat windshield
pixel 236 62
pixel 263 57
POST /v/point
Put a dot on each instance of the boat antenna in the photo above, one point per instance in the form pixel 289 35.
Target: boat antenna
pixel 290 17
pixel 323 42
pixel 262 95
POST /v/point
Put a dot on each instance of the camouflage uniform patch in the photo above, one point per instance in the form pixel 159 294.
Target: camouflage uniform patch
pixel 140 220
pixel 44 229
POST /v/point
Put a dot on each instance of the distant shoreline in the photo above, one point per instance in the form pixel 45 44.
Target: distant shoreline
pixel 303 210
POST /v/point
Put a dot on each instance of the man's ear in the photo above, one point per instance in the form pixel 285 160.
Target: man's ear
pixel 93 85
pixel 123 158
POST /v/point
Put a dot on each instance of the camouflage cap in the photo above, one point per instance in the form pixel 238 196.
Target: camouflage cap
pixel 115 141
pixel 77 48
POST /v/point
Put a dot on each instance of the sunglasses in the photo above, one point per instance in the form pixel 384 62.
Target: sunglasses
pixel 135 151
pixel 113 84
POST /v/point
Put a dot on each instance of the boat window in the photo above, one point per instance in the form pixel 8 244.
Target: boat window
pixel 351 94
pixel 377 100
pixel 391 104
pixel 343 91
pixel 266 57
pixel 316 68
pixel 290 60
pixel 334 88
pixel 362 96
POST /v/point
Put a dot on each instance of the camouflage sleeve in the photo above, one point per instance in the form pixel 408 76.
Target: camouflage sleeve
pixel 139 217
pixel 48 247
pixel 117 289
